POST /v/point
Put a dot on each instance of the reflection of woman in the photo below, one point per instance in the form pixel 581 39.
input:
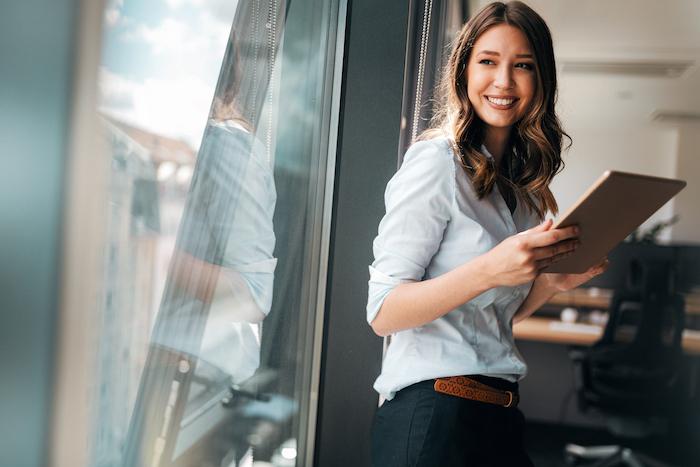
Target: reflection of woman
pixel 223 266
pixel 459 252
pixel 229 265
pixel 219 285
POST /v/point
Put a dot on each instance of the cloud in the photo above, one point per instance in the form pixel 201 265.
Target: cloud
pixel 176 107
pixel 113 12
pixel 222 9
pixel 219 8
pixel 176 37
pixel 182 52
pixel 112 17
pixel 176 4
pixel 115 94
pixel 170 35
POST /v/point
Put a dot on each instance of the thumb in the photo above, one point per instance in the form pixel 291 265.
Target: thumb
pixel 543 227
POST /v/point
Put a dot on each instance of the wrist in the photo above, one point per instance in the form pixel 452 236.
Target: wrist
pixel 489 277
pixel 548 285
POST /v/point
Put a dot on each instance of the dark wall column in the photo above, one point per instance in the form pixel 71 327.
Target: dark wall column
pixel 367 157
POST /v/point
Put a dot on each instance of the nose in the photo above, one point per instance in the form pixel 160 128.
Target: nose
pixel 504 77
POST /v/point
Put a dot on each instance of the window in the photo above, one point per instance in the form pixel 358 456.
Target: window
pixel 215 227
pixel 433 25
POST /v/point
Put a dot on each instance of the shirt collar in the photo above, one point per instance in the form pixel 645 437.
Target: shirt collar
pixel 486 152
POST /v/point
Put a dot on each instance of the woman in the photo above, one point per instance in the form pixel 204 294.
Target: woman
pixel 459 254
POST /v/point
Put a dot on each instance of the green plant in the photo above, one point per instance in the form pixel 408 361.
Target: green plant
pixel 651 235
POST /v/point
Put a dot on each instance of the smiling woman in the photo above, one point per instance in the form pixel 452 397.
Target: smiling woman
pixel 502 82
pixel 458 254
pixel 518 51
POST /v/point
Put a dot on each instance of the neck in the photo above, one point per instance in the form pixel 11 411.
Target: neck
pixel 495 141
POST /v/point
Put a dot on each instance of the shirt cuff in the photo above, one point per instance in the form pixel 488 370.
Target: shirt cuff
pixel 248 281
pixel 380 285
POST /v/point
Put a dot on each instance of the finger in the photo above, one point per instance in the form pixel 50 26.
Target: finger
pixel 550 237
pixel 556 249
pixel 543 227
pixel 600 267
pixel 543 263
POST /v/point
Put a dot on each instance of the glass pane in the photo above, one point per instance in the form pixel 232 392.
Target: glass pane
pixel 433 25
pixel 213 240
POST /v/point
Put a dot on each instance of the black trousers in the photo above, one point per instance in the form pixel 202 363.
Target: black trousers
pixel 420 427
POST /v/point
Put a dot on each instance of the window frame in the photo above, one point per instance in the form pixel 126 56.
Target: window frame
pixel 370 114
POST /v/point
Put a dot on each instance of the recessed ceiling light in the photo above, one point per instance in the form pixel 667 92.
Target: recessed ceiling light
pixel 646 68
pixel 625 94
pixel 671 116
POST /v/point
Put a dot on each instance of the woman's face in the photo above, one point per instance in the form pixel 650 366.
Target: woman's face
pixel 501 76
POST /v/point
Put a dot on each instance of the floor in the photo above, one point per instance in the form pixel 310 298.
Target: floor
pixel 545 444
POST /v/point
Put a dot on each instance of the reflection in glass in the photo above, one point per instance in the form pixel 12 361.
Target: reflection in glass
pixel 219 286
pixel 211 276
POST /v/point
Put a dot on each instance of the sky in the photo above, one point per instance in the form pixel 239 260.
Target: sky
pixel 160 62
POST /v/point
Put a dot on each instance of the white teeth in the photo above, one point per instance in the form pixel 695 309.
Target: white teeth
pixel 498 101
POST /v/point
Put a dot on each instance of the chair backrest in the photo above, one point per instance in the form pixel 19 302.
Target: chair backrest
pixel 634 369
pixel 647 315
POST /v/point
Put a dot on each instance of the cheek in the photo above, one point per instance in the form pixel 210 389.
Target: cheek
pixel 469 92
pixel 473 90
pixel 472 95
pixel 530 87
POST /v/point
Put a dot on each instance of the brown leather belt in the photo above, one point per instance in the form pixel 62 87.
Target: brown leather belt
pixel 467 388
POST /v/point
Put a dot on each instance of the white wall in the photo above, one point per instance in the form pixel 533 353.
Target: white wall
pixel 649 151
pixel 686 203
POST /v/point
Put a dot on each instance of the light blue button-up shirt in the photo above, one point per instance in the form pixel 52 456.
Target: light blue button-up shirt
pixel 228 222
pixel 434 222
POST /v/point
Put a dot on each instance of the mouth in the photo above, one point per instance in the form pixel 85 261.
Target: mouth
pixel 501 103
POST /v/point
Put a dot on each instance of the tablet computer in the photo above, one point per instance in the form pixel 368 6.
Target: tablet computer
pixel 615 205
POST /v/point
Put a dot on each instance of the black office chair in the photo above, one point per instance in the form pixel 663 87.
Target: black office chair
pixel 632 374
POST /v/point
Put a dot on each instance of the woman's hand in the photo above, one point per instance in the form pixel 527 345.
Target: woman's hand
pixel 564 282
pixel 520 258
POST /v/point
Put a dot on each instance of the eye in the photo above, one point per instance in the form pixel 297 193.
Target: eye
pixel 525 66
pixel 486 61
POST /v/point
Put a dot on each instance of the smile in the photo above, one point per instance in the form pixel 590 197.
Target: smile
pixel 501 102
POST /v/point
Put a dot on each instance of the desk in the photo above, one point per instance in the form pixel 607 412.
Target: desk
pixel 540 329
pixel 600 299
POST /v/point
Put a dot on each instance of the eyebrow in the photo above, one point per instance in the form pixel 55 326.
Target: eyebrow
pixel 491 52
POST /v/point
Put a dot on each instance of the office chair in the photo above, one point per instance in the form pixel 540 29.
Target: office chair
pixel 632 374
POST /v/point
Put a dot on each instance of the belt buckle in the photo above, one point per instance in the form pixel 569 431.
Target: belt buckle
pixel 510 400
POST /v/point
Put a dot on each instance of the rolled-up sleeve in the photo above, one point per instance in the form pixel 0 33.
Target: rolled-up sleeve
pixel 249 251
pixel 418 201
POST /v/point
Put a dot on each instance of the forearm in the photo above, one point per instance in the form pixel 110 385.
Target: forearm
pixel 193 277
pixel 209 282
pixel 540 293
pixel 417 303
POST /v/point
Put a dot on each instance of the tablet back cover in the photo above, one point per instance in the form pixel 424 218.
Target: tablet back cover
pixel 616 204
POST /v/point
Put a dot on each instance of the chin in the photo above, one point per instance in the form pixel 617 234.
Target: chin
pixel 498 123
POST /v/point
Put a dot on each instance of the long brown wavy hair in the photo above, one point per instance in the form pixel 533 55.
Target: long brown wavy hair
pixel 533 154
pixel 226 104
